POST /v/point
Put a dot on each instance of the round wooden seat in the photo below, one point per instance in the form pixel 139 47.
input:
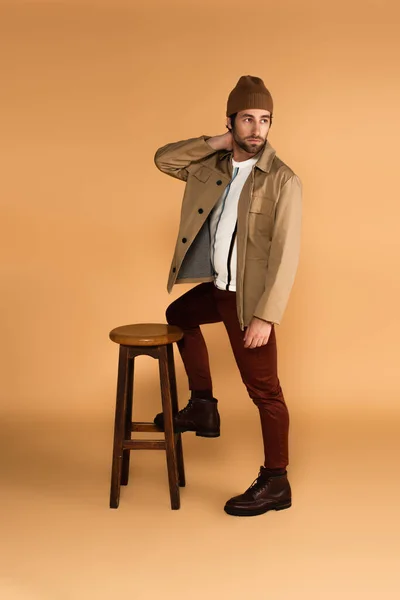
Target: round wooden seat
pixel 146 334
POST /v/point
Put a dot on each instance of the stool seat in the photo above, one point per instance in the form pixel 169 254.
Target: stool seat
pixel 146 334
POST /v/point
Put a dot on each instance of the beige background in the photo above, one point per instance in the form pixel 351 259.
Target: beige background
pixel 89 91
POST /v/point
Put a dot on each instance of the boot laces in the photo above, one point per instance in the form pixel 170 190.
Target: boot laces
pixel 258 483
pixel 186 409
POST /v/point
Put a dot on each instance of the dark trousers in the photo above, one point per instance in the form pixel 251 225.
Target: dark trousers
pixel 258 366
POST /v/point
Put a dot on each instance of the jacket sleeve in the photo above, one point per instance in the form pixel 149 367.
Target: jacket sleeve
pixel 284 253
pixel 173 159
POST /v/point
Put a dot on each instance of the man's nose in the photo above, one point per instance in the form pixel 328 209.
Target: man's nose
pixel 256 130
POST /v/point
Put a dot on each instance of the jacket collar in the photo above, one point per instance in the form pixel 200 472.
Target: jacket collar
pixel 264 162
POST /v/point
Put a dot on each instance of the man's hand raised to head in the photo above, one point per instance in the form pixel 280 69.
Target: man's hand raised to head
pixel 257 333
pixel 221 142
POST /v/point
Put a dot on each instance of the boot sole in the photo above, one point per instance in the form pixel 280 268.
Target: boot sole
pixel 206 434
pixel 237 512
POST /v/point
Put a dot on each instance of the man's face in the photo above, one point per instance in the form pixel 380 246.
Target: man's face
pixel 251 129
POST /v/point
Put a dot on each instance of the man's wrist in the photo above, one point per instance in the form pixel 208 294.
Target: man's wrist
pixel 217 142
pixel 265 320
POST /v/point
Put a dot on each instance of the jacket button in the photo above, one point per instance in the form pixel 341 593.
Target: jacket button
pixel 173 270
pixel 184 240
pixel 200 211
pixel 219 182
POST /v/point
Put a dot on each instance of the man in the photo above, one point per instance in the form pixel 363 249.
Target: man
pixel 239 238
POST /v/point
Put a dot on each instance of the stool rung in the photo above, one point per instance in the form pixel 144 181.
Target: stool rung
pixel 144 426
pixel 144 445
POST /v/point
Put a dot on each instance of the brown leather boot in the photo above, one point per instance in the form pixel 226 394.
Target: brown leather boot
pixel 199 415
pixel 267 492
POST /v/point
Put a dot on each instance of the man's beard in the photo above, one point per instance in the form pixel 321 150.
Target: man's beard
pixel 247 146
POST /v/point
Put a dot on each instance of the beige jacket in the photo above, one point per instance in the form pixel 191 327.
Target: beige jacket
pixel 269 224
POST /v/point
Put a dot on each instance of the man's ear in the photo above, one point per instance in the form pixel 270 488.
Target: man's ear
pixel 228 124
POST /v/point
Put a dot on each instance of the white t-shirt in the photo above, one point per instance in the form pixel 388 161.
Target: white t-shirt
pixel 223 225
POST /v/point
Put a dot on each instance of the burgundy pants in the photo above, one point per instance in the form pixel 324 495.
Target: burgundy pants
pixel 258 366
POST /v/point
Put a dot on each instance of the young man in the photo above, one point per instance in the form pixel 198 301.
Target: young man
pixel 239 238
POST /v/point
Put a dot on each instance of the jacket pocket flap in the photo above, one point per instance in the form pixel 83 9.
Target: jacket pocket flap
pixel 262 205
pixel 201 173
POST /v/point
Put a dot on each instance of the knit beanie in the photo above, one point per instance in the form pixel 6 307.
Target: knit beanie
pixel 250 92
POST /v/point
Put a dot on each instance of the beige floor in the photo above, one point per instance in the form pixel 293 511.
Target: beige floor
pixel 60 540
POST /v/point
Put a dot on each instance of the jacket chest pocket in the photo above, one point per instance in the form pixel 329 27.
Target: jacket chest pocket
pixel 261 215
pixel 200 173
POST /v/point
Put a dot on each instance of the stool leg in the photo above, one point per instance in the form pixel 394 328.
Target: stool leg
pixel 174 397
pixel 168 427
pixel 128 422
pixel 119 426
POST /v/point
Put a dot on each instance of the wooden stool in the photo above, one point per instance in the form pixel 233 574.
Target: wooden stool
pixel 154 340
